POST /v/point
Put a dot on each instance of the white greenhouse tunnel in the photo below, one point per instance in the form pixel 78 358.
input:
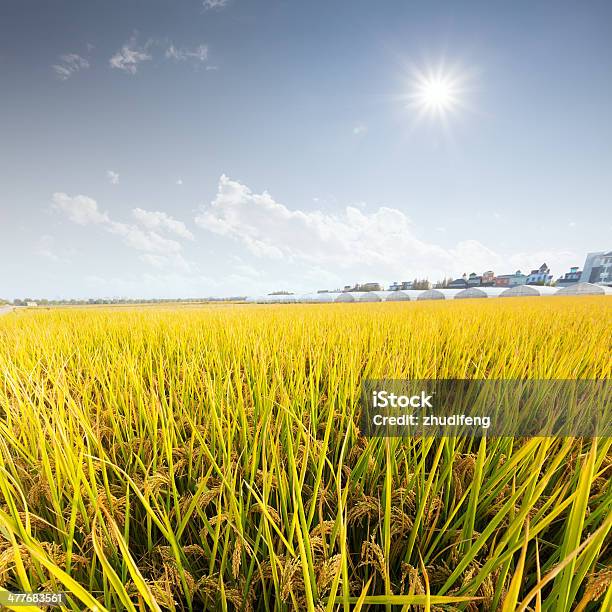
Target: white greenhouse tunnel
pixel 529 290
pixel 399 296
pixel 480 292
pixel 439 294
pixel 585 289
pixel 409 295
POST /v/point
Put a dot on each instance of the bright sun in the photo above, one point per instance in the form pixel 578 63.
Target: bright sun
pixel 436 93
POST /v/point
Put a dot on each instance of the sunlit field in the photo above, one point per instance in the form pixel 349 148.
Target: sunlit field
pixel 210 458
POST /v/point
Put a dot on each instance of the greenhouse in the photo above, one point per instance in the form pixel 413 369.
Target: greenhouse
pixel 528 290
pixel 479 292
pixel 367 296
pixel 414 294
pixel 259 299
pixel 585 289
pixel 431 294
pixel 439 294
pixel 281 299
pixel 399 296
pixel 308 298
pixel 408 295
pixel 326 298
pixel 383 295
pixel 359 296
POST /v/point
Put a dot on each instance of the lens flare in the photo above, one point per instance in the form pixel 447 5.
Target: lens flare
pixel 436 93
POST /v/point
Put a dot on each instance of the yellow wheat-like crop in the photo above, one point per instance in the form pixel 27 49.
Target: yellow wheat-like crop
pixel 209 457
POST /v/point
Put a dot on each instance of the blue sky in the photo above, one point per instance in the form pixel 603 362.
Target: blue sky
pixel 190 148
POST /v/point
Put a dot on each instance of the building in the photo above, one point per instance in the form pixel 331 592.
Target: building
pixel 474 280
pixel 31 304
pixel 459 283
pixel 370 287
pixel 573 276
pixel 541 276
pixel 403 286
pixel 364 287
pixel 488 278
pixel 597 268
pixel 510 280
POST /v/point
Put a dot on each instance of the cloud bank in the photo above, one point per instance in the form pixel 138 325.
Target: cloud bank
pixel 266 245
pixel 350 244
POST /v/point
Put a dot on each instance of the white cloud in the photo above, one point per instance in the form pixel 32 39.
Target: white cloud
pixel 154 220
pixel 80 209
pixel 360 129
pixel 143 240
pixel 349 244
pixel 182 54
pixel 211 5
pixel 148 239
pixel 69 64
pixel 130 55
pixel 179 181
pixel 113 177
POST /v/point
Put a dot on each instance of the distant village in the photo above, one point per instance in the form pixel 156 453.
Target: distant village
pixel 597 269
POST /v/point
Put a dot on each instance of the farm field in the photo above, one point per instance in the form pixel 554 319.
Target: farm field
pixel 210 458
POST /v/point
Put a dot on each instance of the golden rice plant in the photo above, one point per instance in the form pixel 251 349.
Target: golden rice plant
pixel 210 458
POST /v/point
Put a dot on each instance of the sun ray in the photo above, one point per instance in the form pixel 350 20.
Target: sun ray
pixel 436 93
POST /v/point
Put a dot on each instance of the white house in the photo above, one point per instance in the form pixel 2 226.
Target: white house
pixel 597 268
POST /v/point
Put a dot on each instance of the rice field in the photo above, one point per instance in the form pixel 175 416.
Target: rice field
pixel 210 458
